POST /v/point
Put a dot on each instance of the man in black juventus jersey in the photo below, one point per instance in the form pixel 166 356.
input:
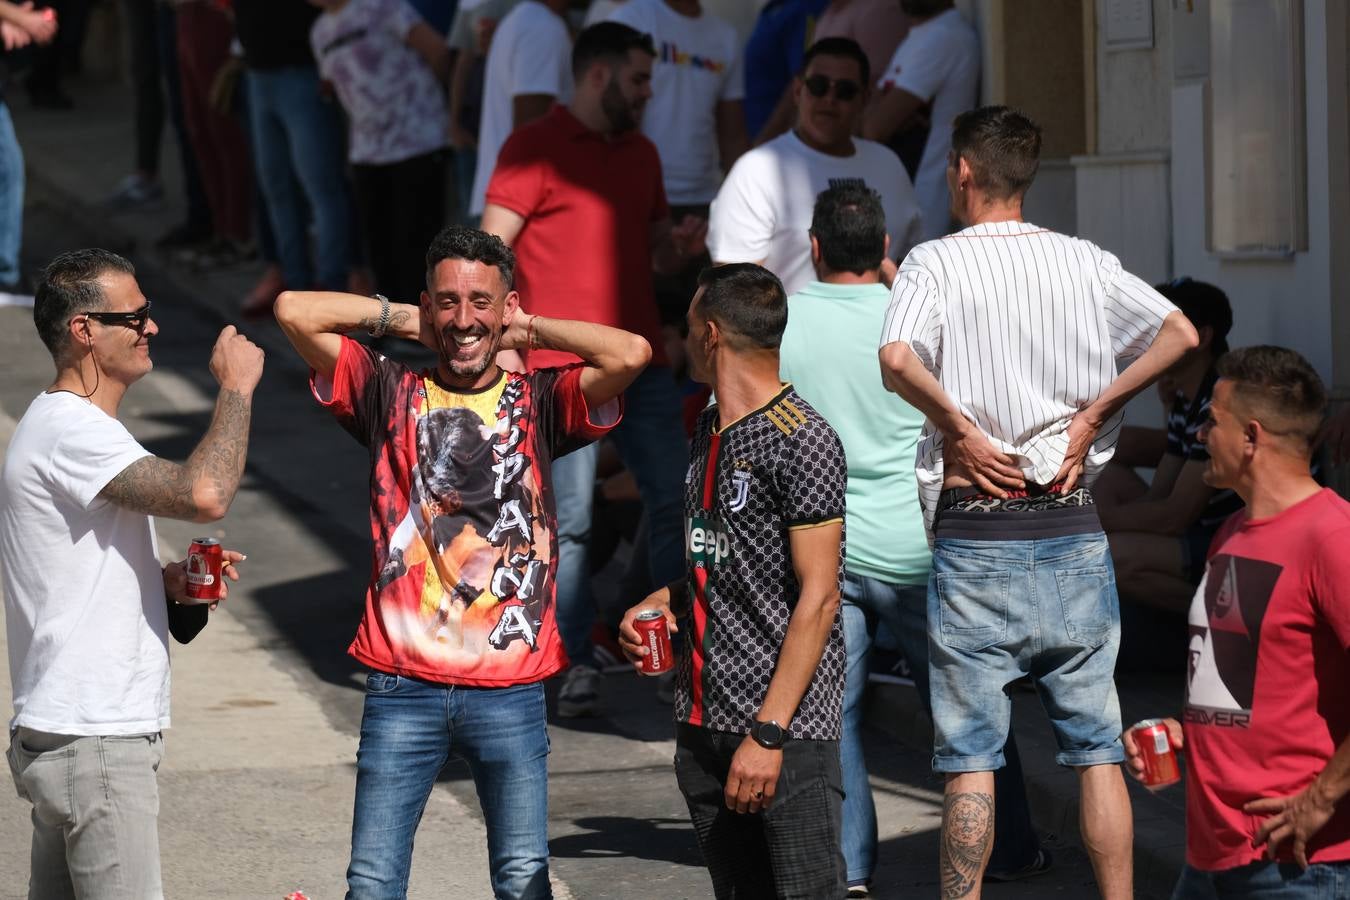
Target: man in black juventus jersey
pixel 761 678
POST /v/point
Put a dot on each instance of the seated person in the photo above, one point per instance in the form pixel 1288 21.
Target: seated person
pixel 1160 531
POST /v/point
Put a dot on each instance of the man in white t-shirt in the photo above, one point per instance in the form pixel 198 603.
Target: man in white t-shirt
pixel 763 212
pixel 935 70
pixel 694 117
pixel 88 608
pixel 529 68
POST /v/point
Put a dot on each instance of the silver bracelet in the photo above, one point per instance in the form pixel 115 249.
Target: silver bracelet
pixel 379 329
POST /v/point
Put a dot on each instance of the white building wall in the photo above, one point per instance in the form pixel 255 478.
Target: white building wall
pixel 1122 195
pixel 1134 88
pixel 1283 301
pixel 1142 194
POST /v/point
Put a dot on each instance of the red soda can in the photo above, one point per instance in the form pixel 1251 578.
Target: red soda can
pixel 1155 749
pixel 651 624
pixel 204 562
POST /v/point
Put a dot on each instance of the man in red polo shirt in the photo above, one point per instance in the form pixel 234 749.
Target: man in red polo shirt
pixel 578 195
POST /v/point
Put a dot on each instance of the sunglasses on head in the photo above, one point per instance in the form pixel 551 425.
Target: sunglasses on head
pixel 135 319
pixel 845 89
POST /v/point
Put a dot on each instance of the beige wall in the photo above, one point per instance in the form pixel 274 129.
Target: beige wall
pixel 1039 68
pixel 1134 88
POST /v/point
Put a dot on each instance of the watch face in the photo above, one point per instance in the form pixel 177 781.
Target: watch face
pixel 769 732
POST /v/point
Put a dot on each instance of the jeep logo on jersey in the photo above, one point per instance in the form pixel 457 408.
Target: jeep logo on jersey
pixel 704 545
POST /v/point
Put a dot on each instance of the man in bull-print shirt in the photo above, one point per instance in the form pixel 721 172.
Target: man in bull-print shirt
pixel 459 627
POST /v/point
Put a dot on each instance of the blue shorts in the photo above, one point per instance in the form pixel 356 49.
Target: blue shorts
pixel 1266 881
pixel 1002 609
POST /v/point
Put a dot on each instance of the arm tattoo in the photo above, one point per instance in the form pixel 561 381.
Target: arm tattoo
pixel 158 487
pixel 967 836
pixel 397 318
pixel 155 487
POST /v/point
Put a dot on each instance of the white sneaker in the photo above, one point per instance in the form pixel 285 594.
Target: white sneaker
pixel 580 694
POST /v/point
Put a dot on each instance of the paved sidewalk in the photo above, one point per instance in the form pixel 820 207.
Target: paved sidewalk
pixel 74 161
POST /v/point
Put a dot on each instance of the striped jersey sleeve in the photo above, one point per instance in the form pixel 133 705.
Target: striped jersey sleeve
pixel 915 314
pixel 1134 310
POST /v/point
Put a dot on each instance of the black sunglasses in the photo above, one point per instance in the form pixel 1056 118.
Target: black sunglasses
pixel 135 319
pixel 845 89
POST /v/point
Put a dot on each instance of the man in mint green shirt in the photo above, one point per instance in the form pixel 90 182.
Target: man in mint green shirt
pixel 828 352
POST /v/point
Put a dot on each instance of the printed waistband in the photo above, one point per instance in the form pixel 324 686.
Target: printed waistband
pixel 995 523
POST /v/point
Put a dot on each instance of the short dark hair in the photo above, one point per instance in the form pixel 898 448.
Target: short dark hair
pixel 607 42
pixel 70 287
pixel 840 46
pixel 459 242
pixel 1002 146
pixel 1204 305
pixel 850 226
pixel 1277 387
pixel 747 301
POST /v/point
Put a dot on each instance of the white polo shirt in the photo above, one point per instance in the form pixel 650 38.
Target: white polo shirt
pixel 763 211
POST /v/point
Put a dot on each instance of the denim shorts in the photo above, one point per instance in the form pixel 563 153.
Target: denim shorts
pixel 1002 609
pixel 1268 881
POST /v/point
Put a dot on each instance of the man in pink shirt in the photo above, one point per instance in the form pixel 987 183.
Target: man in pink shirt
pixel 1267 733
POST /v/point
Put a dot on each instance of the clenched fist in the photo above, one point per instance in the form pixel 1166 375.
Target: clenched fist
pixel 236 362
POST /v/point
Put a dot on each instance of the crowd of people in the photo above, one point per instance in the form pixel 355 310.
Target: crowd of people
pixel 909 433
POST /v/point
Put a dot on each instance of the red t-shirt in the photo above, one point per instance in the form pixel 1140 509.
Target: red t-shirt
pixel 462 515
pixel 588 201
pixel 1268 696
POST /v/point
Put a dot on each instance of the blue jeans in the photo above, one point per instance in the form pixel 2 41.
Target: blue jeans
pixel 11 201
pixel 653 445
pixel 409 730
pixel 1002 609
pixel 1266 881
pixel 298 137
pixel 868 604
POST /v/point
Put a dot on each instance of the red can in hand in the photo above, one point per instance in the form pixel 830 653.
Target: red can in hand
pixel 204 563
pixel 651 625
pixel 1155 749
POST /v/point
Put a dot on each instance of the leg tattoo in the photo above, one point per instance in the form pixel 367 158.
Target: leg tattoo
pixel 967 835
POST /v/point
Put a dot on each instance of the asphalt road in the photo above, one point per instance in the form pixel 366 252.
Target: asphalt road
pixel 256 788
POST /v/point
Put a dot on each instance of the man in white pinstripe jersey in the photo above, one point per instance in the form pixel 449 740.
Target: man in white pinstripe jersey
pixel 1009 338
